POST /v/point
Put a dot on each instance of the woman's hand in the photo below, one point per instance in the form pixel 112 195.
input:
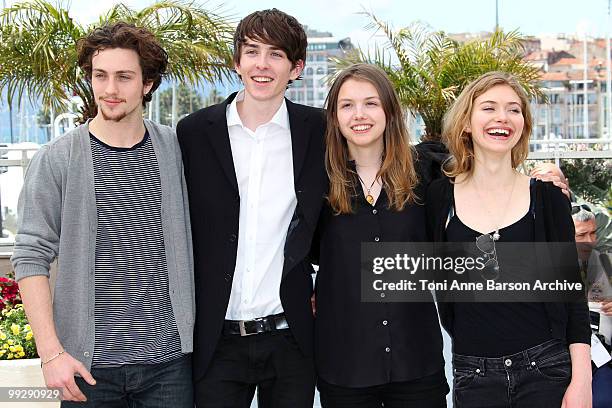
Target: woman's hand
pixel 579 393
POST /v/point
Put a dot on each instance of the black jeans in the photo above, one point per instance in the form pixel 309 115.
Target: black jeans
pixel 426 392
pixel 270 362
pixel 536 377
pixel 139 386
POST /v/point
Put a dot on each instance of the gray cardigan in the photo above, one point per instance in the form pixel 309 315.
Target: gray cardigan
pixel 58 218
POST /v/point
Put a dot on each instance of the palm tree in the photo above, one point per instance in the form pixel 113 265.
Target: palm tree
pixel 38 54
pixel 429 69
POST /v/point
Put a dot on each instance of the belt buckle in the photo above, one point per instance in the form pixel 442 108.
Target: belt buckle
pixel 242 328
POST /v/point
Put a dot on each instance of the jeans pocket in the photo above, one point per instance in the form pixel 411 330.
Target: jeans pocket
pixel 555 368
pixel 463 378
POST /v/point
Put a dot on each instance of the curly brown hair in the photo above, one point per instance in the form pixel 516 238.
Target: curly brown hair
pixel 153 58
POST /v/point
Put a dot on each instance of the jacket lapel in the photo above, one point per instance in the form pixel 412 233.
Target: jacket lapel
pixel 220 141
pixel 300 136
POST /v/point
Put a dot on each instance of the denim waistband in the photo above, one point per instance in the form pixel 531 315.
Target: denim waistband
pixel 513 361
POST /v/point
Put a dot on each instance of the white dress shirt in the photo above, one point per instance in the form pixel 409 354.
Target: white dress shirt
pixel 263 162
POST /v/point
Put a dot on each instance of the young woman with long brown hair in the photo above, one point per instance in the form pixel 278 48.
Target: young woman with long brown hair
pixel 372 354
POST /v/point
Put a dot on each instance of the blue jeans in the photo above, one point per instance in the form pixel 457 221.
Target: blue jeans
pixel 536 377
pixel 139 386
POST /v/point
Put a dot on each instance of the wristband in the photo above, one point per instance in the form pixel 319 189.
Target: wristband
pixel 42 363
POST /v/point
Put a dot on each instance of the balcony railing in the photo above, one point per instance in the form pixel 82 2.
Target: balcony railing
pixel 18 159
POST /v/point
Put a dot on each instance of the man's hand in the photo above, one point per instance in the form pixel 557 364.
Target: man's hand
pixel 606 308
pixel 313 304
pixel 59 373
pixel 551 173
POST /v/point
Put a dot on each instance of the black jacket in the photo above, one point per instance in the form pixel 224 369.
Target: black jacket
pixel 553 223
pixel 214 204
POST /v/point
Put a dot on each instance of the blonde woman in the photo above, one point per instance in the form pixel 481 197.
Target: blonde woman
pixel 506 354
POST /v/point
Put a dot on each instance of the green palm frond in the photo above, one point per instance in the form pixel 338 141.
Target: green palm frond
pixel 33 52
pixel 429 69
pixel 38 48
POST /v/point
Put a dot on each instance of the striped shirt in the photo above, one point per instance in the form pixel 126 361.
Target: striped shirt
pixel 134 322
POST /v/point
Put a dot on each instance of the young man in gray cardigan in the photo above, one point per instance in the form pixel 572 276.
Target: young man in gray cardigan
pixel 108 200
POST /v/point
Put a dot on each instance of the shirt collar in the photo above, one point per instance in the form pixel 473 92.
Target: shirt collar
pixel 280 118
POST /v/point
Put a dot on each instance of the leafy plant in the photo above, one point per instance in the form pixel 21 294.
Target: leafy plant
pixel 429 69
pixel 590 179
pixel 38 48
pixel 16 338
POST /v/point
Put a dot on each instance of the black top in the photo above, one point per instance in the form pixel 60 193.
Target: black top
pixel 510 327
pixel 365 344
pixel 552 222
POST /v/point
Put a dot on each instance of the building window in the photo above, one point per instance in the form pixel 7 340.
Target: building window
pixel 320 71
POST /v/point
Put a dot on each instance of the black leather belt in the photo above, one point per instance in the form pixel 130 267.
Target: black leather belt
pixel 255 326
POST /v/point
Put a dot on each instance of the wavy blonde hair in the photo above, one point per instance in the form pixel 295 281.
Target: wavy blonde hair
pixel 457 119
pixel 397 172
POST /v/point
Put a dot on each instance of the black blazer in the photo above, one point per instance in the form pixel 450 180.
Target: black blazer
pixel 553 223
pixel 214 203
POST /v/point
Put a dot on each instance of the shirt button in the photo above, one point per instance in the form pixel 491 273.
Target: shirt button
pixel 376 239
pixel 374 211
pixel 384 322
pixel 508 362
pixel 86 354
pixel 388 349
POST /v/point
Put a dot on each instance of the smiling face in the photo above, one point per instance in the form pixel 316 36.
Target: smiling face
pixel 496 122
pixel 360 114
pixel 116 80
pixel 265 70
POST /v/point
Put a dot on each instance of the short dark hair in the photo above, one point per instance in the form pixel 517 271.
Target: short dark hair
pixel 152 57
pixel 272 27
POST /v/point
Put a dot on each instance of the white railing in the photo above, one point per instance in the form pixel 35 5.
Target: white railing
pixel 557 149
pixel 23 161
pixel 548 150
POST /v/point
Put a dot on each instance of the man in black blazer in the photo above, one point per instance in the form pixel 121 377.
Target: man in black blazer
pixel 255 172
